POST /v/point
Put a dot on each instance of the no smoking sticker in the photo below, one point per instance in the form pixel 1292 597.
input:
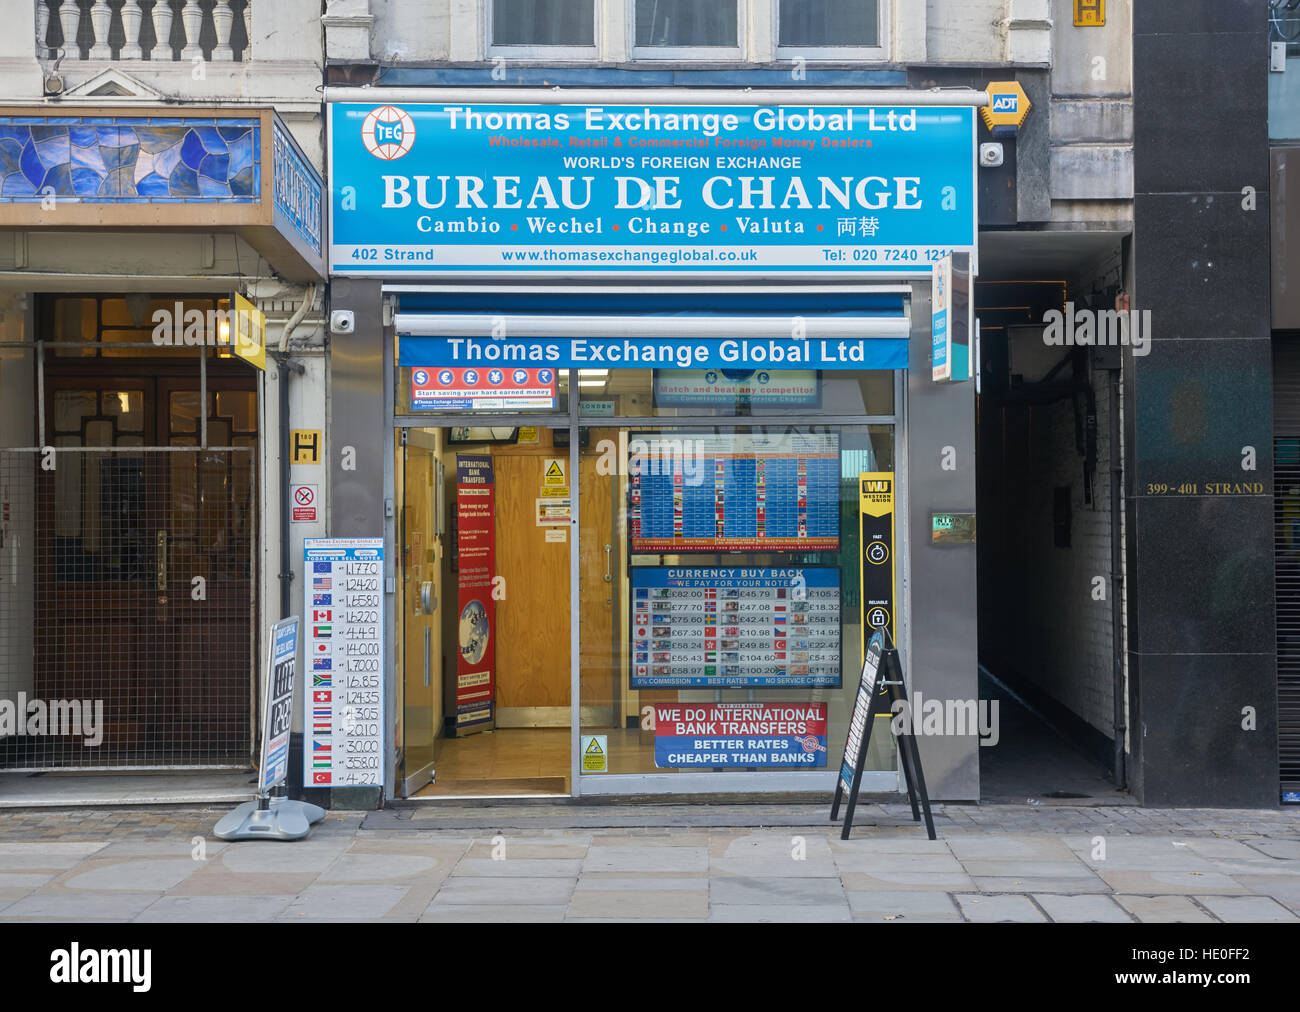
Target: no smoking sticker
pixel 304 503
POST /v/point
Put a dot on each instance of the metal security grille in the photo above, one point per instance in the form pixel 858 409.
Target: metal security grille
pixel 1286 527
pixel 126 611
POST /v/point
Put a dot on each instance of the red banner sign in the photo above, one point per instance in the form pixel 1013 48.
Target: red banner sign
pixel 476 621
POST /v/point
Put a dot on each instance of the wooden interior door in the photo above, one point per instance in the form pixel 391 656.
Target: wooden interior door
pixel 93 589
pixel 532 645
pixel 145 567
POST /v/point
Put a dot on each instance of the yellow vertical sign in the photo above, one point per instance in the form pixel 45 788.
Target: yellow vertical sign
pixel 248 328
pixel 877 591
pixel 1089 13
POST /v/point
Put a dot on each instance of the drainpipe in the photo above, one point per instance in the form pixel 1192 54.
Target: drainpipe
pixel 1117 580
pixel 287 365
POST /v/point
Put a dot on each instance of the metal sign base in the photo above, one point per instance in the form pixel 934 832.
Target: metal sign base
pixel 282 819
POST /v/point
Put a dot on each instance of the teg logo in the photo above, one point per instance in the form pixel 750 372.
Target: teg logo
pixel 388 132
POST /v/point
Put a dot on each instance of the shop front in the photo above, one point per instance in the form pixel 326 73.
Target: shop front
pixel 134 474
pixel 647 471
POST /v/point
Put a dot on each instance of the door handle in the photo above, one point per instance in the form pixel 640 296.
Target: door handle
pixel 160 576
pixel 609 556
pixel 428 652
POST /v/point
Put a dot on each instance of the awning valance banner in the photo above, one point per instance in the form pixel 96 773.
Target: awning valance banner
pixel 653 353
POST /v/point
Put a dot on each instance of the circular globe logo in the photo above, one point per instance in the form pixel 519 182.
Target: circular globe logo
pixel 388 132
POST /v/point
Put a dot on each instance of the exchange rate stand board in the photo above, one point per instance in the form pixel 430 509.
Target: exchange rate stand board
pixel 876 696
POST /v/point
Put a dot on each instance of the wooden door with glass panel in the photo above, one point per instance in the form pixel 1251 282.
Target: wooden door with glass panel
pixel 144 558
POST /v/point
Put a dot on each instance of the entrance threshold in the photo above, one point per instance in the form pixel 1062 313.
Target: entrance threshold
pixel 97 789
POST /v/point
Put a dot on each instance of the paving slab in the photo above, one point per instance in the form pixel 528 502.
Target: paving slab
pixel 977 867
pixel 1285 850
pixel 352 867
pixel 144 875
pixel 529 849
pixel 786 867
pixel 941 864
pixel 607 881
pixel 772 891
pixel 1152 883
pixel 77 907
pixel 601 857
pixel 1164 909
pixel 183 846
pixel 518 867
pixel 505 890
pixel 485 913
pixel 215 880
pixel 1009 848
pixel 272 856
pixel 343 902
pixel 24 881
pixel 1090 909
pixel 1246 909
pixel 178 909
pixel 638 904
pixel 998 908
pixel 1040 884
pixel 781 914
pixel 912 906
pixel 907 880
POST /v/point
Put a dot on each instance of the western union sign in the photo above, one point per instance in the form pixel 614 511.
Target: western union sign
pixel 876 573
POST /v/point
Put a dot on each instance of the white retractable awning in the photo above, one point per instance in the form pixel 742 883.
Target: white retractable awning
pixel 679 327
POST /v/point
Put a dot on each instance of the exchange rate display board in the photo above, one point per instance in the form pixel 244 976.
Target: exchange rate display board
pixel 735 627
pixel 343 707
pixel 734 492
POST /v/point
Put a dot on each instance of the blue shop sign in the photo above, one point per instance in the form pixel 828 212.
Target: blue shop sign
pixel 654 353
pixel 444 190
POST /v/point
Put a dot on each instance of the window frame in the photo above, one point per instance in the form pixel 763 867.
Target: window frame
pixel 734 53
pixel 541 52
pixel 835 54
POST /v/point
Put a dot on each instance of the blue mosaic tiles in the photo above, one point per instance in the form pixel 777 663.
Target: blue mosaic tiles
pixel 121 159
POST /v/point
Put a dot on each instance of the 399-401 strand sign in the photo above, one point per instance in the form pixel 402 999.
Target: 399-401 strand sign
pixel 438 190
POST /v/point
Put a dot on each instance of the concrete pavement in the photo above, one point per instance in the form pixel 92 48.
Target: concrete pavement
pixel 727 862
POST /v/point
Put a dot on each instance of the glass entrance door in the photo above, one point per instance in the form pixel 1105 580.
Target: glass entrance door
pixel 484 539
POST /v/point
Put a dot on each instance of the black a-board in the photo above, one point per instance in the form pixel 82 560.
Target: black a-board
pixel 879 688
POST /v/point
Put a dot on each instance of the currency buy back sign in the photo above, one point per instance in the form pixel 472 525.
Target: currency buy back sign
pixel 437 190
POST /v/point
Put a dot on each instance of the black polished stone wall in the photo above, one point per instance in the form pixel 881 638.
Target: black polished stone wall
pixel 1201 618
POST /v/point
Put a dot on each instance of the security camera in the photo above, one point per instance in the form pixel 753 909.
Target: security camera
pixel 991 155
pixel 342 321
